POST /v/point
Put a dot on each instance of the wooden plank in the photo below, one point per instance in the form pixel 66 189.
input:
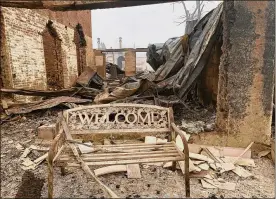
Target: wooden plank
pixel 144 160
pixel 242 161
pixel 91 158
pixel 245 150
pixel 200 157
pixel 135 144
pixel 150 140
pixel 41 158
pixel 163 145
pixel 225 151
pixel 192 167
pixel 242 172
pixel 127 154
pixel 110 169
pixel 227 167
pixel 200 174
pixel 133 171
pixel 204 166
pixel 85 149
pixel 161 141
pixel 143 150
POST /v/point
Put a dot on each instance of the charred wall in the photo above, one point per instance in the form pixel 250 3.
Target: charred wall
pixel 53 58
pixel 208 80
pixel 246 75
pixel 25 45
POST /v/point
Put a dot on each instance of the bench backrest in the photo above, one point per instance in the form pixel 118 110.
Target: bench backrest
pixel 118 118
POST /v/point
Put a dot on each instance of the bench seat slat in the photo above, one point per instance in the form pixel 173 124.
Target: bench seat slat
pixel 136 144
pixel 122 157
pixel 127 154
pixel 135 147
pixel 133 161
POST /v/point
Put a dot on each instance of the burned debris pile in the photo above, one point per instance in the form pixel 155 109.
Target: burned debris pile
pixel 178 64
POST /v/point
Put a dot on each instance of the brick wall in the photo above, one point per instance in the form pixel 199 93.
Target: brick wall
pixel 24 30
pixel 71 18
pixel 130 63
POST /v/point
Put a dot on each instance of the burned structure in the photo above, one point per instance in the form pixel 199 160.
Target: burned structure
pixel 43 49
pixel 131 120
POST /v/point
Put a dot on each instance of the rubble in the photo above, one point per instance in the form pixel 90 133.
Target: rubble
pixel 26 162
pixel 44 104
pixel 193 127
pixel 176 61
pixel 177 64
pixel 90 79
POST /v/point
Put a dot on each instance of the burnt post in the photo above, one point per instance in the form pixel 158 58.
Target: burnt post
pixel 113 72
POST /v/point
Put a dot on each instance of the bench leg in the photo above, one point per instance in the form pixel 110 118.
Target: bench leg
pixel 187 184
pixel 50 180
pixel 174 165
pixel 62 171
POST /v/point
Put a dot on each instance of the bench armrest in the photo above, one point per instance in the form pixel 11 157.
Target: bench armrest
pixel 58 141
pixel 186 152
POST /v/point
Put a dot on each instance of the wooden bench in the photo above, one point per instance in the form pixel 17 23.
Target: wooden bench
pixel 116 120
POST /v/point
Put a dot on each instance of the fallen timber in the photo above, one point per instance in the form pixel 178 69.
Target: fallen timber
pixel 81 91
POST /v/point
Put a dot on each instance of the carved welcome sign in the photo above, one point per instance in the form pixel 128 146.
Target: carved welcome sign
pixel 117 116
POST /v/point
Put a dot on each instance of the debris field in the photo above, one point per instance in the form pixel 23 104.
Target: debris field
pixel 108 131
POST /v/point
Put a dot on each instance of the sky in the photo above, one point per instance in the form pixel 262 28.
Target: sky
pixel 140 25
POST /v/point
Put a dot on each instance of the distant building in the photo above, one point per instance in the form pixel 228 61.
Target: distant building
pixel 113 57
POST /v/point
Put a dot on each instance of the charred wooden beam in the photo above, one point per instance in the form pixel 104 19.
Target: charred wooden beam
pixel 81 91
pixel 75 5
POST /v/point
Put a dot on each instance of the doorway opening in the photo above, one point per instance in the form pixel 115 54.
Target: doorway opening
pixel 53 57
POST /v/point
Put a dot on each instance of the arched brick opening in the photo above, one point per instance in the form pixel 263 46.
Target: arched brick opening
pixel 53 57
pixel 120 60
pixel 80 42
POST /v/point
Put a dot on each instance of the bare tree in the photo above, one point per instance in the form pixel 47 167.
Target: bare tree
pixel 191 18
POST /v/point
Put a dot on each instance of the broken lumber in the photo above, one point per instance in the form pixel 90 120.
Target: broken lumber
pixel 81 91
pixel 110 169
pixel 86 149
pixel 226 167
pixel 204 166
pixel 224 151
pixel 245 150
pixel 133 171
pixel 44 104
pixel 241 172
pixel 200 157
pixel 214 183
pixel 263 153
pixel 241 161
